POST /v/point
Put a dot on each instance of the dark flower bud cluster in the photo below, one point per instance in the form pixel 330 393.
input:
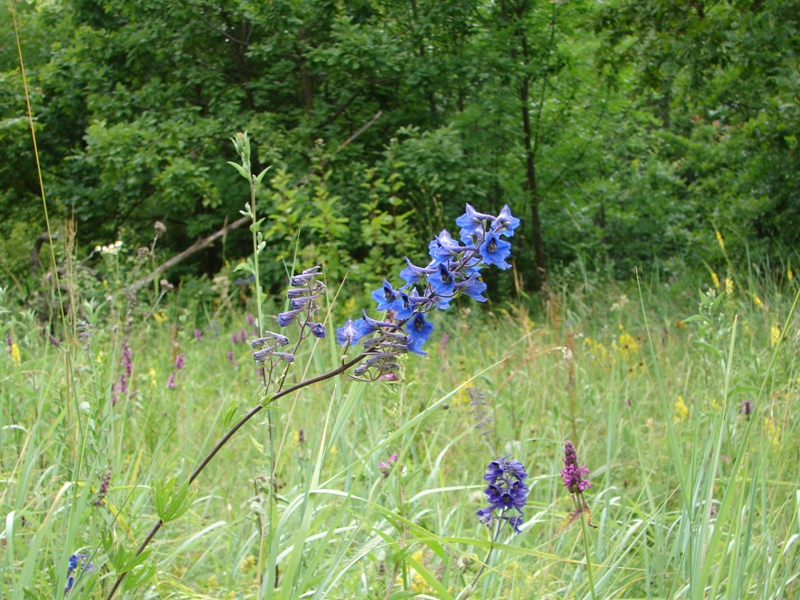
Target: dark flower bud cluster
pixel 303 307
pixel 121 386
pixel 572 473
pixel 453 271
pixel 747 408
pixel 266 348
pixel 303 296
pixel 103 491
pixel 506 491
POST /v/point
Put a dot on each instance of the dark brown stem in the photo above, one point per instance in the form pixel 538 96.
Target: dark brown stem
pixel 224 440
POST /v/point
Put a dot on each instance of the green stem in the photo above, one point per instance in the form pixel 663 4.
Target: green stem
pixel 588 557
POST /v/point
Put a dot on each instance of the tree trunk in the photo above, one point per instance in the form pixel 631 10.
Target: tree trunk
pixel 540 273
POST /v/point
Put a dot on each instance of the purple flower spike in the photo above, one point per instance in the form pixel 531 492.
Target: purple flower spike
pixel 572 473
pixel 180 361
pixel 198 335
pixel 171 382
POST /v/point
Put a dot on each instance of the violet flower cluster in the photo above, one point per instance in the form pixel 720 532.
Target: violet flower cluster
pixel 576 480
pixel 454 270
pixel 572 473
pixel 506 491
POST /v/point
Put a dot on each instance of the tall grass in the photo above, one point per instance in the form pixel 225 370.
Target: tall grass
pixel 693 502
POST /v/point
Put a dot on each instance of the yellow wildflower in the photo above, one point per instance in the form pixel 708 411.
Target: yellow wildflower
pixel 99 359
pixel 715 279
pixel 789 273
pixel 773 433
pixel 715 404
pixel 152 374
pixel 419 585
pixel 681 410
pixel 628 345
pixel 462 397
pixel 15 357
pixel 774 335
pixel 758 301
pixel 598 350
pixel 248 564
pixel 729 285
pixel 720 240
pixel 160 317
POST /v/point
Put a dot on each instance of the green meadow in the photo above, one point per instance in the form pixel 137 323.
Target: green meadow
pixel 682 405
pixel 212 390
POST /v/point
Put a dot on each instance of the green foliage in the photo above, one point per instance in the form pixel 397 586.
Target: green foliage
pixel 633 130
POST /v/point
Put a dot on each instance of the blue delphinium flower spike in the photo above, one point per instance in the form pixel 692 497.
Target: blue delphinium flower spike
pixel 506 492
pixel 454 270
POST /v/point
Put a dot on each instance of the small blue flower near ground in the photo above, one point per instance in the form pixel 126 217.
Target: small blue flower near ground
pixel 76 561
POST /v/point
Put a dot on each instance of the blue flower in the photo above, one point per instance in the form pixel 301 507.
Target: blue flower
pixel 419 330
pixel 413 274
pixel 473 288
pixel 406 304
pixel 75 561
pixel 495 251
pixel 505 223
pixel 443 247
pixel 471 222
pixel 349 333
pixel 386 296
pixel 442 281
